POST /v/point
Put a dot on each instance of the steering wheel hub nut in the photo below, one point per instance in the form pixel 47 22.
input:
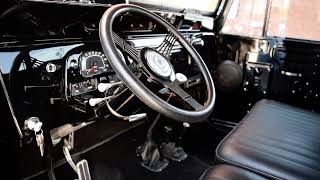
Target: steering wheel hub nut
pixel 158 66
pixel 158 63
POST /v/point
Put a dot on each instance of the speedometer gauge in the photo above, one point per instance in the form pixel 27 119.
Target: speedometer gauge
pixel 93 63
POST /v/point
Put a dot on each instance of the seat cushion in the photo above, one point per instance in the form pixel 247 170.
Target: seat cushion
pixel 276 140
pixel 227 172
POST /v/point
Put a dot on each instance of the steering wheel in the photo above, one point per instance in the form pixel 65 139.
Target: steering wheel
pixel 156 65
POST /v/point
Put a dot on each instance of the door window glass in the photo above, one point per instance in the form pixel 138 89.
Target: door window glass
pixel 295 19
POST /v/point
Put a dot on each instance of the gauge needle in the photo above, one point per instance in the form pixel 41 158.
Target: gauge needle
pixel 92 69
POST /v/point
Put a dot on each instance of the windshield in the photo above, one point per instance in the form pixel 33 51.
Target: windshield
pixel 294 19
pixel 202 7
pixel 205 5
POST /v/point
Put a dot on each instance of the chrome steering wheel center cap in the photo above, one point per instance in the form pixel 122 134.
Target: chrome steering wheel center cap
pixel 158 63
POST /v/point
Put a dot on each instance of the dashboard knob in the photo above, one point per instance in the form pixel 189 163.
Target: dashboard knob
pixel 103 87
pixel 95 101
pixel 181 77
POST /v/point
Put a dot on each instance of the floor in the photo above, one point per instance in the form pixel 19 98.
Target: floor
pixel 117 159
pixel 31 164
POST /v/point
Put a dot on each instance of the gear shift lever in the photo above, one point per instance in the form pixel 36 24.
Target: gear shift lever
pixel 182 133
pixel 150 154
pixel 173 150
pixel 149 151
pixel 167 133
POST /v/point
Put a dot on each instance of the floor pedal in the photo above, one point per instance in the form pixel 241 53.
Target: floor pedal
pixel 83 170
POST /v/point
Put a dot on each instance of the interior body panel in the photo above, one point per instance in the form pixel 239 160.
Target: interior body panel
pixel 222 89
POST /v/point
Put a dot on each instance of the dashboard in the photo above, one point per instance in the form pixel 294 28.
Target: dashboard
pixel 70 74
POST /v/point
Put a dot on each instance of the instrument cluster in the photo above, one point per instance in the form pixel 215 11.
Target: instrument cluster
pixel 85 70
pixel 94 63
pixel 83 86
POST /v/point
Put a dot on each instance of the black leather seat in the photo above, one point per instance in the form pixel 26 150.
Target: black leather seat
pixel 275 140
pixel 227 172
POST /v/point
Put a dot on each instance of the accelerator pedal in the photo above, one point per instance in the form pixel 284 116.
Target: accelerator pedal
pixel 83 170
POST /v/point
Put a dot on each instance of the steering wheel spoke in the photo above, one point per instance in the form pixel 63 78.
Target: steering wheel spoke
pixel 134 53
pixel 167 44
pixel 185 96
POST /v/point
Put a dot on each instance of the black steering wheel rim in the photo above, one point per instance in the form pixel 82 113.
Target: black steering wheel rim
pixel 134 84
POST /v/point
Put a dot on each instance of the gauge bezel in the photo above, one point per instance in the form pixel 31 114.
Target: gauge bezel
pixel 83 63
